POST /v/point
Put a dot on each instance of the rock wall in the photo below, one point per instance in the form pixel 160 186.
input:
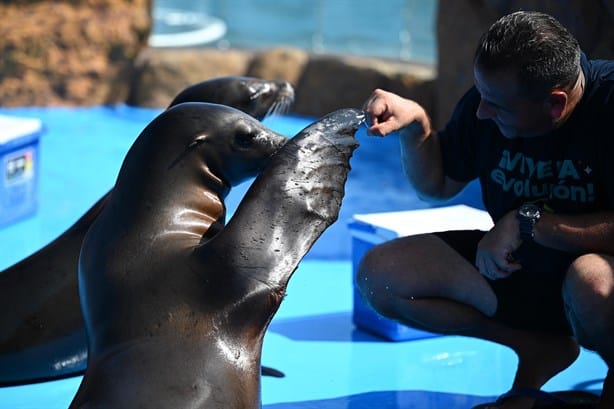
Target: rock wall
pixel 88 52
pixel 161 73
pixel 92 52
pixel 69 52
pixel 332 82
pixel 323 83
pixel 460 23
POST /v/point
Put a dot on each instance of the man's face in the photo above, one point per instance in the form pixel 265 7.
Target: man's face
pixel 515 115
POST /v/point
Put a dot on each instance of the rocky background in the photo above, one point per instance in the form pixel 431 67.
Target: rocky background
pixel 71 52
pixel 91 52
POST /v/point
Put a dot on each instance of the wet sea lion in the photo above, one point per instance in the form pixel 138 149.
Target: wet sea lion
pixel 258 98
pixel 42 335
pixel 176 316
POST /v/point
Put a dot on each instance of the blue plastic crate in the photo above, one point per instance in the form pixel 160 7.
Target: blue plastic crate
pixel 19 161
pixel 367 230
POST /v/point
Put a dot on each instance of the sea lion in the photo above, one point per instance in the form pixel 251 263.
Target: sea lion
pixel 42 335
pixel 176 316
pixel 258 98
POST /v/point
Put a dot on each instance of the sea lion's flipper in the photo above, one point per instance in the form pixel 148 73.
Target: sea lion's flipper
pixel 41 331
pixel 290 203
pixel 268 371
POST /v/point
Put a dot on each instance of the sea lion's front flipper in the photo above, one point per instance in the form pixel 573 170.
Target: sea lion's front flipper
pixel 290 203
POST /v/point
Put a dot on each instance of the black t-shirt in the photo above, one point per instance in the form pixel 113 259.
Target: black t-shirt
pixel 568 170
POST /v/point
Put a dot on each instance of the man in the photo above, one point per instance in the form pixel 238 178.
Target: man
pixel 536 130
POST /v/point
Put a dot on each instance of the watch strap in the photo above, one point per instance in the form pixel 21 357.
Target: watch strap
pixel 528 215
pixel 526 225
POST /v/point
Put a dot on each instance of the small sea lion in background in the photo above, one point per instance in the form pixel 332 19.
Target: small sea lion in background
pixel 42 335
pixel 176 316
pixel 256 97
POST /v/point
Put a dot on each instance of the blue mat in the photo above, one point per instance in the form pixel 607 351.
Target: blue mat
pixel 328 362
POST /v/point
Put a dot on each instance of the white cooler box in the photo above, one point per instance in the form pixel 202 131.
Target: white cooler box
pixel 368 230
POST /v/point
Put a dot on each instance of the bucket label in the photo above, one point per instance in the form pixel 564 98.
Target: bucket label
pixel 18 167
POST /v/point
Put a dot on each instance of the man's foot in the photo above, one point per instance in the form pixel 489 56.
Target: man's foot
pixel 543 358
pixel 543 400
pixel 539 360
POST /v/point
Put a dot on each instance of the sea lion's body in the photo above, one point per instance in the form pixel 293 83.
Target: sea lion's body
pixel 175 315
pixel 42 335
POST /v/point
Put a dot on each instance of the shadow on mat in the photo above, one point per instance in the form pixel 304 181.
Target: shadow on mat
pixel 390 400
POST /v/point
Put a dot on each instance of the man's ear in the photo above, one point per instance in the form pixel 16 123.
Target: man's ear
pixel 557 101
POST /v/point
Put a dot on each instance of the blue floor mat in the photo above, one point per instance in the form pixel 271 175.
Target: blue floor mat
pixel 328 363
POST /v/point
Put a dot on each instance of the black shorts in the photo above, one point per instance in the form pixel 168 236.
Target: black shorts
pixel 530 298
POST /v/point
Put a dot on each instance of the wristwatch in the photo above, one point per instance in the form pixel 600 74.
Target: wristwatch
pixel 528 216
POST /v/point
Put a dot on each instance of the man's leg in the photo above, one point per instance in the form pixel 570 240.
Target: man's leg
pixel 424 283
pixel 588 292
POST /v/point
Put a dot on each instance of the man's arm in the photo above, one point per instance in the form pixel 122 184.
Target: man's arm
pixel 582 233
pixel 420 146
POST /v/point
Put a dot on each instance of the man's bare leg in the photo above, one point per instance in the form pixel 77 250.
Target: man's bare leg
pixel 588 292
pixel 422 282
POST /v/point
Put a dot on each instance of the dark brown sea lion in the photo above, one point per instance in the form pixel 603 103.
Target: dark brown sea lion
pixel 42 335
pixel 258 98
pixel 176 316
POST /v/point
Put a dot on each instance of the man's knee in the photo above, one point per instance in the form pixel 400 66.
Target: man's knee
pixel 588 294
pixel 385 270
pixel 589 278
pixel 370 272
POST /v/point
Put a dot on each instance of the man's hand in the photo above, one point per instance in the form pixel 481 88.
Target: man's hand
pixel 494 255
pixel 389 112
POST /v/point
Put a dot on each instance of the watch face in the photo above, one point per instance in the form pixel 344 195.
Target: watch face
pixel 529 210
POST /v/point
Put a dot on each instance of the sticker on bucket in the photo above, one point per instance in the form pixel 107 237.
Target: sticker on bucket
pixel 19 168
